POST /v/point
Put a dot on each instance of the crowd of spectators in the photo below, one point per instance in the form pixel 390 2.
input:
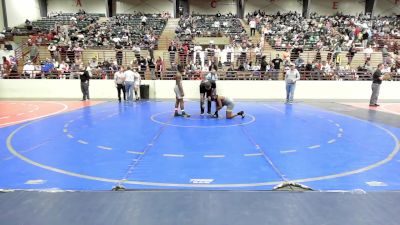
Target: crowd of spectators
pixel 67 41
pixel 335 34
pixel 218 25
pixel 324 32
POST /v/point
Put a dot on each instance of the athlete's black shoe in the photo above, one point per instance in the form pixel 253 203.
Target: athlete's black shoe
pixel 215 115
pixel 241 113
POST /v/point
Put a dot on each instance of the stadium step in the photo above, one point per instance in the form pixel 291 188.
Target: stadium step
pixel 254 39
pixel 168 34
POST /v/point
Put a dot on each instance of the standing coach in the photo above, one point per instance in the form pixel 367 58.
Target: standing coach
pixel 376 85
pixel 84 76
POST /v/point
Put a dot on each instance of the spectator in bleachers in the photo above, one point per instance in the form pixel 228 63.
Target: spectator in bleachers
pixel 252 25
pixel 47 68
pixel 212 75
pixel 29 70
pixel 52 49
pixel 351 53
pixel 299 62
pixel 368 67
pixel 277 67
pixel 152 66
pixel 33 53
pixel 142 65
pixel 119 53
pixel 6 67
pixel 172 51
pixel 336 52
pixel 62 69
pixel 368 53
pixel 385 54
pixel 143 20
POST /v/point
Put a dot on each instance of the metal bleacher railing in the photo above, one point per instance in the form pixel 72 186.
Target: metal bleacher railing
pixel 169 74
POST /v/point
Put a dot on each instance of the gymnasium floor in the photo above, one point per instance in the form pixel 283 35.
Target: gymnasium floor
pixel 97 145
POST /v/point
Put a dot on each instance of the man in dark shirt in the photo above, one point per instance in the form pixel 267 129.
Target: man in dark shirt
pixel 207 90
pixel 84 76
pixel 295 53
pixel 172 50
pixel 263 67
pixel 277 67
pixel 376 84
pixel 119 53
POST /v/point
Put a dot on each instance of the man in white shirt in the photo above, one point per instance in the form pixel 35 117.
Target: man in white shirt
pixel 252 25
pixel 28 70
pixel 292 75
pixel 80 36
pixel 136 83
pixel 52 49
pixel 144 20
pixel 129 82
pixel 116 39
pixel 136 50
pixel 212 75
pixel 368 52
pixel 229 53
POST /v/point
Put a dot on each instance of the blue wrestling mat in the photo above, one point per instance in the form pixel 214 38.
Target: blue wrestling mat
pixel 142 146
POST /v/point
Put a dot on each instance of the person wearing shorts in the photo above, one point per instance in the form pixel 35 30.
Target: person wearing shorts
pixel 222 101
pixel 178 89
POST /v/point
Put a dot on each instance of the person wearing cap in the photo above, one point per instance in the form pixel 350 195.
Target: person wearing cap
pixel 291 76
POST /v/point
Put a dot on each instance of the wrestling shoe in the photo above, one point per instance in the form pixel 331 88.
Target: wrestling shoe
pixel 241 113
pixel 177 114
pixel 215 115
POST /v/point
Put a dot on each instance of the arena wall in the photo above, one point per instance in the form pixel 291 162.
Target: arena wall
pixel 331 7
pixel 163 89
pixel 20 10
pixel 387 7
pixel 272 7
pixel 146 6
pixel 69 6
pixel 206 7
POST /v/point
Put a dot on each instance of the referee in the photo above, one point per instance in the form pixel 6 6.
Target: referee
pixel 207 91
pixel 376 85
